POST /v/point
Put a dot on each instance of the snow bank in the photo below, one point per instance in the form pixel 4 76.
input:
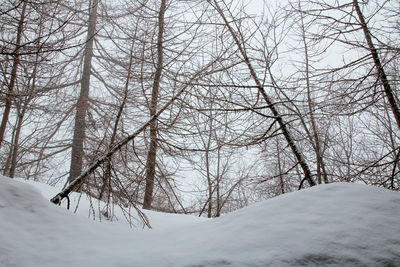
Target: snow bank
pixel 330 225
pixel 83 205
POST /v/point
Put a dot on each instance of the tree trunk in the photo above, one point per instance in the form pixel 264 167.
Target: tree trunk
pixel 152 153
pixel 83 100
pixel 378 65
pixel 271 105
pixel 15 143
pixel 22 109
pixel 13 78
pixel 280 171
pixel 321 175
pixel 218 180
pixel 208 172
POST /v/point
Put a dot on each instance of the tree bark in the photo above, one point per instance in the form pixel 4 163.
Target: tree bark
pixel 378 65
pixel 152 153
pixel 83 100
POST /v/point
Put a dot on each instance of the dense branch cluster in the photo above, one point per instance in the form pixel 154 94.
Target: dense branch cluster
pixel 199 106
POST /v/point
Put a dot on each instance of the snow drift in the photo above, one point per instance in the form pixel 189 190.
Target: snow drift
pixel 330 225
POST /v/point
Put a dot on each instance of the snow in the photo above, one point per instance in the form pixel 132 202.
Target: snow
pixel 339 224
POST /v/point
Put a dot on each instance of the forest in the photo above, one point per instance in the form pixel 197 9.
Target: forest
pixel 199 106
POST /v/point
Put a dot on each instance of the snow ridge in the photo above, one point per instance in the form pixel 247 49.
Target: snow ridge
pixel 338 224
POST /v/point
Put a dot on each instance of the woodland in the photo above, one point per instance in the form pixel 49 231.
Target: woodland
pixel 199 106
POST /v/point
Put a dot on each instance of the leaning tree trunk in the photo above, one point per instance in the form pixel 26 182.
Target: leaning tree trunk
pixel 83 100
pixel 271 105
pixel 152 153
pixel 378 65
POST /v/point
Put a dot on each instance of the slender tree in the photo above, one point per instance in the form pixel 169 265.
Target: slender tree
pixel 83 100
pixel 282 124
pixel 378 65
pixel 152 152
pixel 13 76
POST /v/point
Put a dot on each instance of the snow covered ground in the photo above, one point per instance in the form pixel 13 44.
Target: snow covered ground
pixel 330 225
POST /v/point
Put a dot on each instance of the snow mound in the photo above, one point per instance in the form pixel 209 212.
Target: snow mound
pixel 330 225
pixel 87 207
pixel 339 224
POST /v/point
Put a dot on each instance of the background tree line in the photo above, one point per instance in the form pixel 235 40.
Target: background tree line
pixel 227 107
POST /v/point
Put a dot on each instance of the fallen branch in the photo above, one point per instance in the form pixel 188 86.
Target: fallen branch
pixel 99 161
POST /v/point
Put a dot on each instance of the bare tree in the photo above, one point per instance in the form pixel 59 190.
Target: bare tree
pixel 315 138
pixel 45 40
pixel 117 146
pixel 378 65
pixel 271 106
pixel 82 103
pixel 152 153
pixel 201 107
pixel 360 84
pixel 13 76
